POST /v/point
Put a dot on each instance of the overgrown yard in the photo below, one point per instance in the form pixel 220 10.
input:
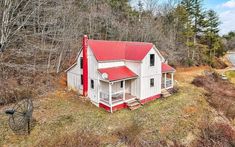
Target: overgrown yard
pixel 62 118
pixel 231 76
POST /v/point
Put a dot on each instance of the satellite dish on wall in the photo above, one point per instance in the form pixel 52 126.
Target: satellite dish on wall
pixel 105 76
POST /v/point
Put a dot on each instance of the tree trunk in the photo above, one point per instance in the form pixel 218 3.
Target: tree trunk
pixel 194 45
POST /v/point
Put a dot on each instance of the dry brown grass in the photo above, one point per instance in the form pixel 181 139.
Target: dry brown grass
pixel 79 139
pixel 65 119
pixel 216 135
pixel 220 94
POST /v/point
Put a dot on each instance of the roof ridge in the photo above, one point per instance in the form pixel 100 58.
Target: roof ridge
pixel 124 41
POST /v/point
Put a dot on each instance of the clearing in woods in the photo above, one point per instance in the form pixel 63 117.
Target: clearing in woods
pixel 62 113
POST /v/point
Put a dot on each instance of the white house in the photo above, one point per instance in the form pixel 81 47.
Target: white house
pixel 117 74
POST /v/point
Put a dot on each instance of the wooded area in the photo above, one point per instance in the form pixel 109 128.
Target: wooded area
pixel 41 37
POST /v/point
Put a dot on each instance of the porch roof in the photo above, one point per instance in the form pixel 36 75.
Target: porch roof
pixel 117 73
pixel 167 68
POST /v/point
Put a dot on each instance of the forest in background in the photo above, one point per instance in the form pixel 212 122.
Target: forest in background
pixel 40 38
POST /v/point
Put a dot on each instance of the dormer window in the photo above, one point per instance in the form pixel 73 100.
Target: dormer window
pixel 152 59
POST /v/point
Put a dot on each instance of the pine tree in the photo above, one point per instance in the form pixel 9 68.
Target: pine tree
pixel 211 31
pixel 198 21
pixel 185 10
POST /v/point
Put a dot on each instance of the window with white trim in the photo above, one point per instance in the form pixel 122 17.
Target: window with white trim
pixel 152 82
pixel 92 84
pixel 152 59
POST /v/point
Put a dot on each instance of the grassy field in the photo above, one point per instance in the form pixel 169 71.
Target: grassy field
pixel 231 76
pixel 61 114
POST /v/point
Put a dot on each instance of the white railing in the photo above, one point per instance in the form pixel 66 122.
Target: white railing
pixel 116 96
pixel 168 83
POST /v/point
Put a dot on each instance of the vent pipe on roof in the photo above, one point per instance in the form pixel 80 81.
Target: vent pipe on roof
pixel 85 65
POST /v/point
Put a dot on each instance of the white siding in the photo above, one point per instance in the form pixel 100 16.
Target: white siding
pixel 135 87
pixel 148 72
pixel 135 83
pixel 110 64
pixel 134 66
pixel 93 75
pixel 74 77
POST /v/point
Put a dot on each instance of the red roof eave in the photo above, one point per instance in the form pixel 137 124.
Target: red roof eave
pixel 167 68
pixel 118 73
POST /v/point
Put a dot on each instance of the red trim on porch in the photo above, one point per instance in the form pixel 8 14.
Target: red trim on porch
pixel 115 108
pixel 124 105
pixel 150 99
pixel 101 105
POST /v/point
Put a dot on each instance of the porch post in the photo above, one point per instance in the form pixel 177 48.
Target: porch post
pixel 110 97
pixel 124 90
pixel 172 79
pixel 165 80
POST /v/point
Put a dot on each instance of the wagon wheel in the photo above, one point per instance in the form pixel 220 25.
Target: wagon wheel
pixel 20 115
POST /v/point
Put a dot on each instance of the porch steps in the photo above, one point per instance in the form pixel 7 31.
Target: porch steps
pixel 165 93
pixel 134 104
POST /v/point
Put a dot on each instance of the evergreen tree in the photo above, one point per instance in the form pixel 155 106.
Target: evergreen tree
pixel 211 31
pixel 185 11
pixel 198 22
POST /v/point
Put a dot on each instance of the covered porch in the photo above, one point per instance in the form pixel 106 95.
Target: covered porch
pixel 115 88
pixel 167 76
pixel 167 80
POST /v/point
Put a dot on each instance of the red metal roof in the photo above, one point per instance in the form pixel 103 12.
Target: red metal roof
pixel 167 68
pixel 119 50
pixel 118 73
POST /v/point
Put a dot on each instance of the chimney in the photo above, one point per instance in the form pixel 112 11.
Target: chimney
pixel 85 65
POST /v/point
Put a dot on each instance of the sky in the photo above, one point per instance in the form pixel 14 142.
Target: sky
pixel 225 10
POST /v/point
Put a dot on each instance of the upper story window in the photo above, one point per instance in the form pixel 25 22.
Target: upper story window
pixel 152 82
pixel 152 59
pixel 81 62
pixel 92 84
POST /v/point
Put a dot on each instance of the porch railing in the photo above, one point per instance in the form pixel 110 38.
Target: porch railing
pixel 168 83
pixel 116 96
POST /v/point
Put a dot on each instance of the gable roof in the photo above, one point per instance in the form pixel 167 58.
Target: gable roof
pixel 119 50
pixel 118 73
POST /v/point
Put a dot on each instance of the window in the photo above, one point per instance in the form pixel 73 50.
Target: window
pixel 81 62
pixel 92 84
pixel 152 59
pixel 81 79
pixel 121 84
pixel 152 82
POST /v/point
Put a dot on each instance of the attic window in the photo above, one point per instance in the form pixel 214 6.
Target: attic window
pixel 81 62
pixel 152 59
